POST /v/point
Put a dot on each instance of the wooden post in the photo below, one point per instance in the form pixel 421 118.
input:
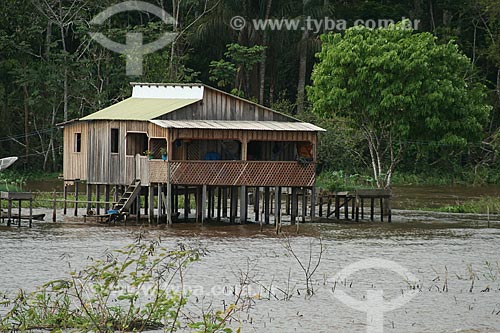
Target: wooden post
pixel 89 197
pixel 187 203
pixel 76 197
pixel 266 205
pixel 160 191
pixel 346 207
pixel 224 202
pixel 199 214
pixel 65 191
pixel 320 208
pixel 243 204
pixel 19 212
pixel 372 208
pixel 138 208
pixel 337 206
pixel 295 206
pixel 362 208
pixel 277 208
pixel 389 211
pixel 354 205
pixel 287 203
pixel 31 212
pixel 256 208
pixel 151 195
pixel 381 210
pixel 209 203
pixel 313 203
pixel 169 203
pixel 357 207
pixel 233 204
pixel 9 211
pixel 203 203
pixel 54 206
pixel 116 195
pixel 219 203
pixel 304 204
pixel 146 202
pixel 329 206
pixel 107 189
pixel 98 198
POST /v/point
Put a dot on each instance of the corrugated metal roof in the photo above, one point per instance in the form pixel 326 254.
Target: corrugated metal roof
pixel 240 125
pixel 140 109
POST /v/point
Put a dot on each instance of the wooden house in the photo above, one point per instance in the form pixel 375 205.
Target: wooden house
pixel 169 141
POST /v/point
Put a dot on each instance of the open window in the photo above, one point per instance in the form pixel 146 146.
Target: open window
pixel 272 151
pixel 115 140
pixel 77 148
pixel 137 143
pixel 187 149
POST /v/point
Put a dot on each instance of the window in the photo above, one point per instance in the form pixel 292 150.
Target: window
pixel 137 143
pixel 115 139
pixel 78 143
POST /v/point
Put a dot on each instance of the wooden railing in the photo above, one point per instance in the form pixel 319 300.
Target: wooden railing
pixel 233 173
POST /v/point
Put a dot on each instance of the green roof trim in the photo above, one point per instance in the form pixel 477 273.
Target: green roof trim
pixel 142 109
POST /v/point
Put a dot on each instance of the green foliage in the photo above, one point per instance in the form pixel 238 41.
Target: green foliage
pixel 335 181
pixel 126 291
pixel 396 86
pixel 222 72
pixel 490 205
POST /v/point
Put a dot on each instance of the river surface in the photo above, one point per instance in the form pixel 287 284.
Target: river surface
pixel 450 263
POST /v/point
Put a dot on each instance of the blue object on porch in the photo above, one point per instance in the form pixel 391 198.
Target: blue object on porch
pixel 212 156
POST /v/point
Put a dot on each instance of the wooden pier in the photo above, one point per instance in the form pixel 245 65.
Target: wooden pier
pixel 18 197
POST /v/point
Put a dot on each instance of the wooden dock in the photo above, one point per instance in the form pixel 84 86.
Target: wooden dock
pixel 18 197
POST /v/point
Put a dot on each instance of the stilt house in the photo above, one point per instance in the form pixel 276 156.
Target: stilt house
pixel 170 141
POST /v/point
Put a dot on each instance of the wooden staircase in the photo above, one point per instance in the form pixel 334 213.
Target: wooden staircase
pixel 128 197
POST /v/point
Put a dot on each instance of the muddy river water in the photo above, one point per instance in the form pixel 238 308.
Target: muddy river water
pixel 453 261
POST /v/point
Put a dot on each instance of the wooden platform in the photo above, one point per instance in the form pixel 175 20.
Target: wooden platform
pixel 18 197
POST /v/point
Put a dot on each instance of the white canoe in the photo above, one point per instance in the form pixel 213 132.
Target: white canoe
pixel 6 162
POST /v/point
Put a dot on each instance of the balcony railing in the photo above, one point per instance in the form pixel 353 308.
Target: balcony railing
pixel 233 173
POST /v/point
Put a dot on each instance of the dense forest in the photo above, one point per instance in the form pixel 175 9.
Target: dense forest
pixel 52 71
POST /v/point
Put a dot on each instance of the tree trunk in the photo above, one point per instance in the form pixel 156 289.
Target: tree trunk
pixel 262 71
pixel 302 71
pixel 26 124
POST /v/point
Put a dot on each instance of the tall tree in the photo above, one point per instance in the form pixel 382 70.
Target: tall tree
pixel 396 86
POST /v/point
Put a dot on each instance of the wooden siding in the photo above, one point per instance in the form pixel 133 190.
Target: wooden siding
pixel 217 105
pixel 75 164
pixel 96 164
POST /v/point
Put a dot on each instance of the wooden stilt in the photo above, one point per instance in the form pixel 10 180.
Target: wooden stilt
pixel 389 212
pixel 304 204
pixel 146 202
pixel 243 204
pixel 65 195
pixel 224 202
pixel 169 203
pixel 372 207
pixel 212 214
pixel 313 203
pixel 89 197
pixel 219 203
pixel 98 198
pixel 54 206
pixel 329 206
pixel 295 205
pixel 198 198
pixel 381 210
pixel 187 203
pixel 116 194
pixel 353 206
pixel 337 206
pixel 346 207
pixel 320 204
pixel 362 208
pixel 287 203
pixel 19 214
pixel 9 212
pixel 357 207
pixel 151 195
pixel 256 201
pixel 107 190
pixel 176 200
pixel 76 197
pixel 233 204
pixel 160 215
pixel 203 203
pixel 138 209
pixel 31 212
pixel 277 208
pixel 267 205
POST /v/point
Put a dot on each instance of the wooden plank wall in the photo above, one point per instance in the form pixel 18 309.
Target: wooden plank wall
pixel 75 164
pixel 217 105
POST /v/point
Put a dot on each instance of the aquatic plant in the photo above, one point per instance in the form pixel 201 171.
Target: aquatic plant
pixel 128 290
